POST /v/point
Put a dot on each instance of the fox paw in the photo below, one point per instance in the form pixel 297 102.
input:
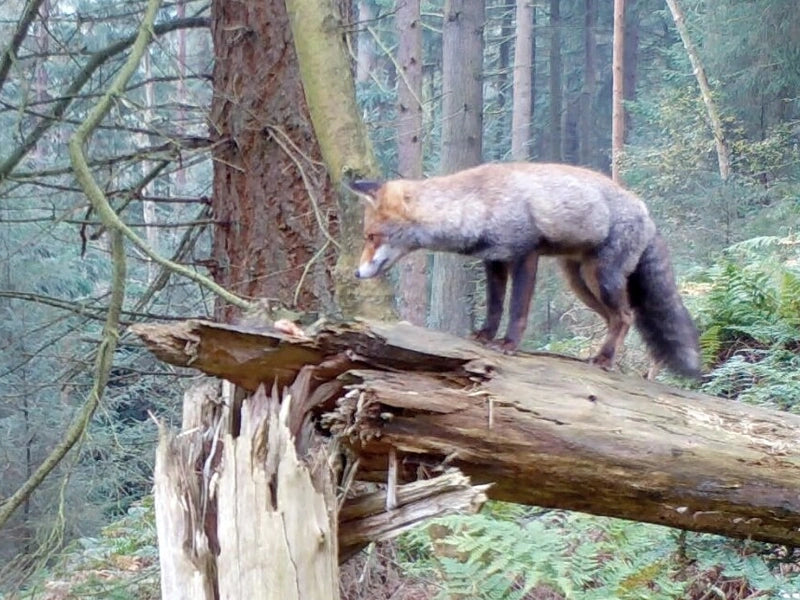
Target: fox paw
pixel 482 337
pixel 604 362
pixel 507 347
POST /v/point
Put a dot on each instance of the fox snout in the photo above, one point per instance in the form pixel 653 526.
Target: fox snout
pixel 371 268
pixel 377 258
pixel 363 274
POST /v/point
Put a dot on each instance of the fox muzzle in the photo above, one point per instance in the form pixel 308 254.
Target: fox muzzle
pixel 369 269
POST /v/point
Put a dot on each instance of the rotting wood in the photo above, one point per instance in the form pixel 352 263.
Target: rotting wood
pixel 186 554
pixel 364 518
pixel 242 515
pixel 246 505
pixel 545 430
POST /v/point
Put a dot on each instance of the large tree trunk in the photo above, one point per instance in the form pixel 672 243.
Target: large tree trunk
pixel 545 430
pixel 723 152
pixel 523 84
pixel 413 281
pixel 617 92
pixel 462 129
pixel 327 81
pixel 273 203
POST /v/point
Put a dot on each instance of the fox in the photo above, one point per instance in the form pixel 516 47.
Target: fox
pixel 510 214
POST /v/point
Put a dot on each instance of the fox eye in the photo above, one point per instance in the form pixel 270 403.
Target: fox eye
pixel 370 237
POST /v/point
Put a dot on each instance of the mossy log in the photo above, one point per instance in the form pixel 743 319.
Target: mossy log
pixel 543 430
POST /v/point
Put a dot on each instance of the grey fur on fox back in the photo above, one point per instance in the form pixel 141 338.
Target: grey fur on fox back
pixel 510 214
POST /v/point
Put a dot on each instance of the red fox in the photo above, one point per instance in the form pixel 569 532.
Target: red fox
pixel 509 215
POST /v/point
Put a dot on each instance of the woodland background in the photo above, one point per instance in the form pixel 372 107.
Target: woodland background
pixel 209 157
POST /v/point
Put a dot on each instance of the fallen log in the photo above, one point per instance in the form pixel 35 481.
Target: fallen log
pixel 544 430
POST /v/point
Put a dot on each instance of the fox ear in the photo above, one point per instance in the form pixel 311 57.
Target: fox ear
pixel 365 189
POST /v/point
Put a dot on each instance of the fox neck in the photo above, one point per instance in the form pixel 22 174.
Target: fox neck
pixel 438 223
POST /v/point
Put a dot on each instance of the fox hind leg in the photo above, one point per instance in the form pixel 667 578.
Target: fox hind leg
pixel 496 281
pixel 609 285
pixel 572 272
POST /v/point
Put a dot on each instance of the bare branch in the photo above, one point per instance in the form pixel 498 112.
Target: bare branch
pixel 97 59
pixel 24 25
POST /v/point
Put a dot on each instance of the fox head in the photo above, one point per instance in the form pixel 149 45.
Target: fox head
pixel 387 232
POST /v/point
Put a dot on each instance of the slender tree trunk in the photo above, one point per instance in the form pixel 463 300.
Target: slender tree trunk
pixel 462 125
pixel 723 152
pixel 273 203
pixel 148 206
pixel 534 145
pixel 412 289
pixel 180 174
pixel 504 90
pixel 365 46
pixel 570 146
pixel 523 85
pixel 586 125
pixel 329 89
pixel 556 94
pixel 631 57
pixel 617 90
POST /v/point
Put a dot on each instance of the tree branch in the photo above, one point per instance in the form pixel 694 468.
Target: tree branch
pixel 24 25
pixel 96 196
pixel 94 63
pixel 723 152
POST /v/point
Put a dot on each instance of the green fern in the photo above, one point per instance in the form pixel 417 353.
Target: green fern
pixel 557 554
pixel 750 320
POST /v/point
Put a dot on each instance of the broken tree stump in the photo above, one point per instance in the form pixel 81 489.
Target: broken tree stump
pixel 544 430
pixel 246 501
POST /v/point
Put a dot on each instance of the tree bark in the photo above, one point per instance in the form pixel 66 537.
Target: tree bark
pixel 412 289
pixel 544 430
pixel 723 152
pixel 462 129
pixel 329 88
pixel 617 88
pixel 523 84
pixel 556 91
pixel 273 203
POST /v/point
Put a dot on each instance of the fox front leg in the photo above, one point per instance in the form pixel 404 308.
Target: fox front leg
pixel 523 282
pixel 496 280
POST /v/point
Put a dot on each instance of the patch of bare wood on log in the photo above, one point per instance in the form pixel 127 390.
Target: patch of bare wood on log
pixel 547 431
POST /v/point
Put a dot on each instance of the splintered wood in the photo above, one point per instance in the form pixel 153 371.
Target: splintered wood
pixel 240 514
pixel 542 430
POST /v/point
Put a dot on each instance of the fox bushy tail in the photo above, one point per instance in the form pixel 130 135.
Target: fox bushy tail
pixel 660 316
